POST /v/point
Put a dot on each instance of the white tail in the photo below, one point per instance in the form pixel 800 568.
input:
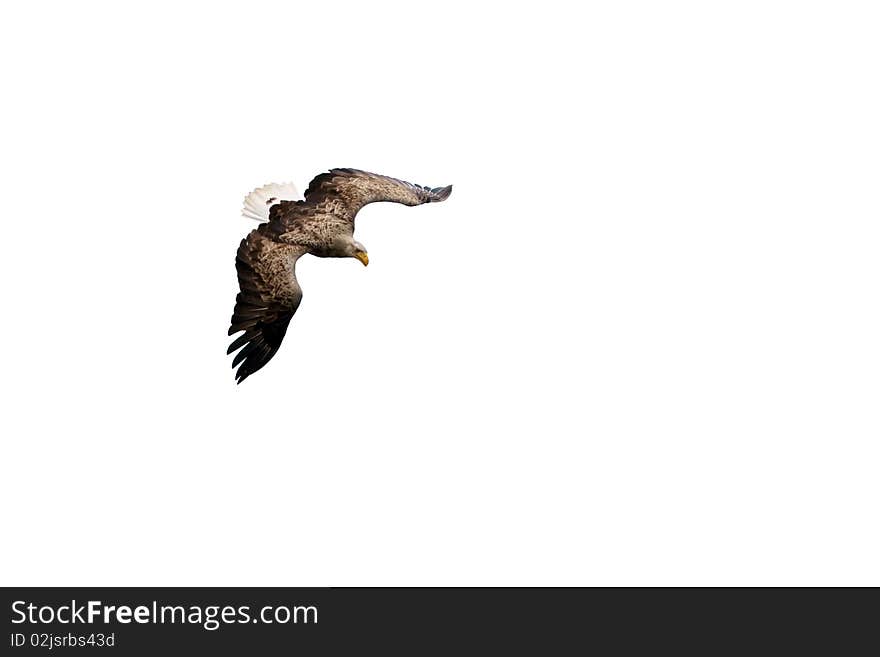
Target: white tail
pixel 257 203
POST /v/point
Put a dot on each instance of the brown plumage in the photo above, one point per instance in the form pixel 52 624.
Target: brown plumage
pixel 321 224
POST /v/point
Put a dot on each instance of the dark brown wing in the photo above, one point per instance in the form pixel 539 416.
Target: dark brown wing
pixel 268 298
pixel 345 191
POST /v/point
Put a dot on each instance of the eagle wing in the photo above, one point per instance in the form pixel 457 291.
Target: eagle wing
pixel 268 298
pixel 343 192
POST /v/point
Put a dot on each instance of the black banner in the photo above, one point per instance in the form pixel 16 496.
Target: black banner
pixel 150 621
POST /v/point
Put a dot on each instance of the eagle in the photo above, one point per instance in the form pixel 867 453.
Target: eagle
pixel 320 224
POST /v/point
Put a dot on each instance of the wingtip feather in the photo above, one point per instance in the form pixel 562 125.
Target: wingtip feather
pixel 439 194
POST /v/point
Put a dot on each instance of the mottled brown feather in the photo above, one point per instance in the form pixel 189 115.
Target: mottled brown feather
pixel 268 299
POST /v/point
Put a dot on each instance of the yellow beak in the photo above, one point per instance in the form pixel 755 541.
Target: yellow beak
pixel 363 257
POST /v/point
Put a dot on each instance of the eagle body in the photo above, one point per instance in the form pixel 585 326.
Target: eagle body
pixel 320 224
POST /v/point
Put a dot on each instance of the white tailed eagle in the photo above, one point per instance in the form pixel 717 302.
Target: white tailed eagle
pixel 321 224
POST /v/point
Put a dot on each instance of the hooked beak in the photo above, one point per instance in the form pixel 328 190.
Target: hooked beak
pixel 363 257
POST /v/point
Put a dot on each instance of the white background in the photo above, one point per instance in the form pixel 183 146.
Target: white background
pixel 638 345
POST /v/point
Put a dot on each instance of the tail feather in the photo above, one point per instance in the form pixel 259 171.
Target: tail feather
pixel 257 203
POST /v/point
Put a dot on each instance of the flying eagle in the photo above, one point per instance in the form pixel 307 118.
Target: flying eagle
pixel 322 224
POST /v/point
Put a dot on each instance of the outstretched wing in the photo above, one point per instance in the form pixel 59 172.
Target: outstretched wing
pixel 345 191
pixel 268 298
